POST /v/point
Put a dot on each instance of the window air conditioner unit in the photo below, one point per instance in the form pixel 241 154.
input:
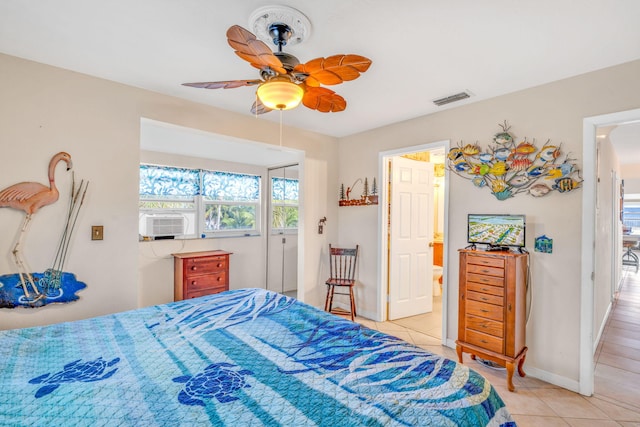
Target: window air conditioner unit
pixel 160 226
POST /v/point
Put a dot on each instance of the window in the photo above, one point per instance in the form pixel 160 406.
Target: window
pixel 168 205
pixel 631 216
pixel 180 202
pixel 231 201
pixel 284 204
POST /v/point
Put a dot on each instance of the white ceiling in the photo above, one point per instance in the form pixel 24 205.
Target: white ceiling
pixel 421 49
pixel 625 139
pixel 164 137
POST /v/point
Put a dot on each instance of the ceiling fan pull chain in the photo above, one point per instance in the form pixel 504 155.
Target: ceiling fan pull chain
pixel 280 127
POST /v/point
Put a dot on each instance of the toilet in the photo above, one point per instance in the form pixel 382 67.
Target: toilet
pixel 437 286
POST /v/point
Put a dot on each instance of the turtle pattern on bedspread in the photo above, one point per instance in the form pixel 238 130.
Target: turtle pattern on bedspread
pixel 248 357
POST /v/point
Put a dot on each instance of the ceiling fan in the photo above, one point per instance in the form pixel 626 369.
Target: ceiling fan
pixel 284 82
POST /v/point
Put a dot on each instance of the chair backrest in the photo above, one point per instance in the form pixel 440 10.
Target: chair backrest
pixel 342 262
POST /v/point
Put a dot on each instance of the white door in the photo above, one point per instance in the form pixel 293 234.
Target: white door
pixel 411 232
pixel 282 270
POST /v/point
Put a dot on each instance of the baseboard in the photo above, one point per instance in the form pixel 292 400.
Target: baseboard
pixel 602 326
pixel 366 314
pixel 554 379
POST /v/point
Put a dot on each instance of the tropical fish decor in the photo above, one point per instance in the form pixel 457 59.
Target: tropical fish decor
pixel 510 166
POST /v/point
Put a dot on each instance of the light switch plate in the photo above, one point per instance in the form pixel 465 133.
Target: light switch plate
pixel 97 232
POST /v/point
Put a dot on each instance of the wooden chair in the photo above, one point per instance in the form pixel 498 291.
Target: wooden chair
pixel 342 270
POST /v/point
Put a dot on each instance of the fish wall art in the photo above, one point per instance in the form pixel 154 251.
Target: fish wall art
pixel 508 167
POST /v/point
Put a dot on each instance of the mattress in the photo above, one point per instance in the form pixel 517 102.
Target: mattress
pixel 246 357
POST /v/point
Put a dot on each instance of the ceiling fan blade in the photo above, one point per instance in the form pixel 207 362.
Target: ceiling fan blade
pixel 252 50
pixel 229 84
pixel 334 69
pixel 259 108
pixel 324 100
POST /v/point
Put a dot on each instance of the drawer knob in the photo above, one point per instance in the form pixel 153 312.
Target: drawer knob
pixel 219 264
pixel 484 311
pixel 193 282
pixel 484 341
pixel 194 268
pixel 219 279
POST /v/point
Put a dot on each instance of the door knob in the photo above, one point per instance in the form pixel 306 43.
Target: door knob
pixel 430 244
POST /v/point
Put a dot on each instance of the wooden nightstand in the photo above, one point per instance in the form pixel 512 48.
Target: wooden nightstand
pixel 200 273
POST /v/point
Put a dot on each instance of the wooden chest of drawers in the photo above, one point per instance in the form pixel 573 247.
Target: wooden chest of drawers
pixel 200 273
pixel 492 308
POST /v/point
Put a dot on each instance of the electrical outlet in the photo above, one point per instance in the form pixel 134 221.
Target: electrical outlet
pixel 97 232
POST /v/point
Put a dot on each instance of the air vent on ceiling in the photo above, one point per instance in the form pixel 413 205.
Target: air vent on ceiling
pixel 451 98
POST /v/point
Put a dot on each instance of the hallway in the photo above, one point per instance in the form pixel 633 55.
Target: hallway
pixel 617 374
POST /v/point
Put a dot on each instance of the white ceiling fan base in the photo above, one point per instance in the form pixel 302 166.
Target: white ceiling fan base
pixel 263 17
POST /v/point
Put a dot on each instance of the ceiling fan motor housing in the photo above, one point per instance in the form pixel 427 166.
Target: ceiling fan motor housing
pixel 288 61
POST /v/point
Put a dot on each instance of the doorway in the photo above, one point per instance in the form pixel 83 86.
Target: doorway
pixel 588 336
pixel 431 321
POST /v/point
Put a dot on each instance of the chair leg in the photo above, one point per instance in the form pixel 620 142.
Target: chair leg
pixel 353 303
pixel 326 301
pixel 329 301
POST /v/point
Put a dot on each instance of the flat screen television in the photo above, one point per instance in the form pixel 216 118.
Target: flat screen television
pixel 496 230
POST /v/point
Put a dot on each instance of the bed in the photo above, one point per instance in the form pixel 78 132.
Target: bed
pixel 246 357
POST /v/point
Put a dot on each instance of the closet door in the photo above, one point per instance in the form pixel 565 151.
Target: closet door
pixel 282 250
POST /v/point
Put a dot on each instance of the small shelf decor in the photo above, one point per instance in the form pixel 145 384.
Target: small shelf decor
pixel 508 168
pixel 367 197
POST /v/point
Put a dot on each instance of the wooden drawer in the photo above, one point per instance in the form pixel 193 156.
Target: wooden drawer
pixel 484 270
pixel 486 326
pixel 486 261
pixel 482 309
pixel 489 280
pixel 485 341
pixel 200 273
pixel 488 298
pixel 203 292
pixel 486 289
pixel 204 265
pixel 194 283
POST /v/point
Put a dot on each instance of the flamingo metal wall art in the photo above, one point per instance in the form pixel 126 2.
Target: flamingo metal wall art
pixel 30 197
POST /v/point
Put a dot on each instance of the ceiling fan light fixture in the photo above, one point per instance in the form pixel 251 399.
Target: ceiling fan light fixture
pixel 280 94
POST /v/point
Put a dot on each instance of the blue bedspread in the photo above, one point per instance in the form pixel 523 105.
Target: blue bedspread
pixel 240 358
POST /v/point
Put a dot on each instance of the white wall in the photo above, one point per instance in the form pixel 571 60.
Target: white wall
pixel 44 110
pixel 555 111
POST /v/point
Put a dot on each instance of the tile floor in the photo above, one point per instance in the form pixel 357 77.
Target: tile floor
pixel 616 401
